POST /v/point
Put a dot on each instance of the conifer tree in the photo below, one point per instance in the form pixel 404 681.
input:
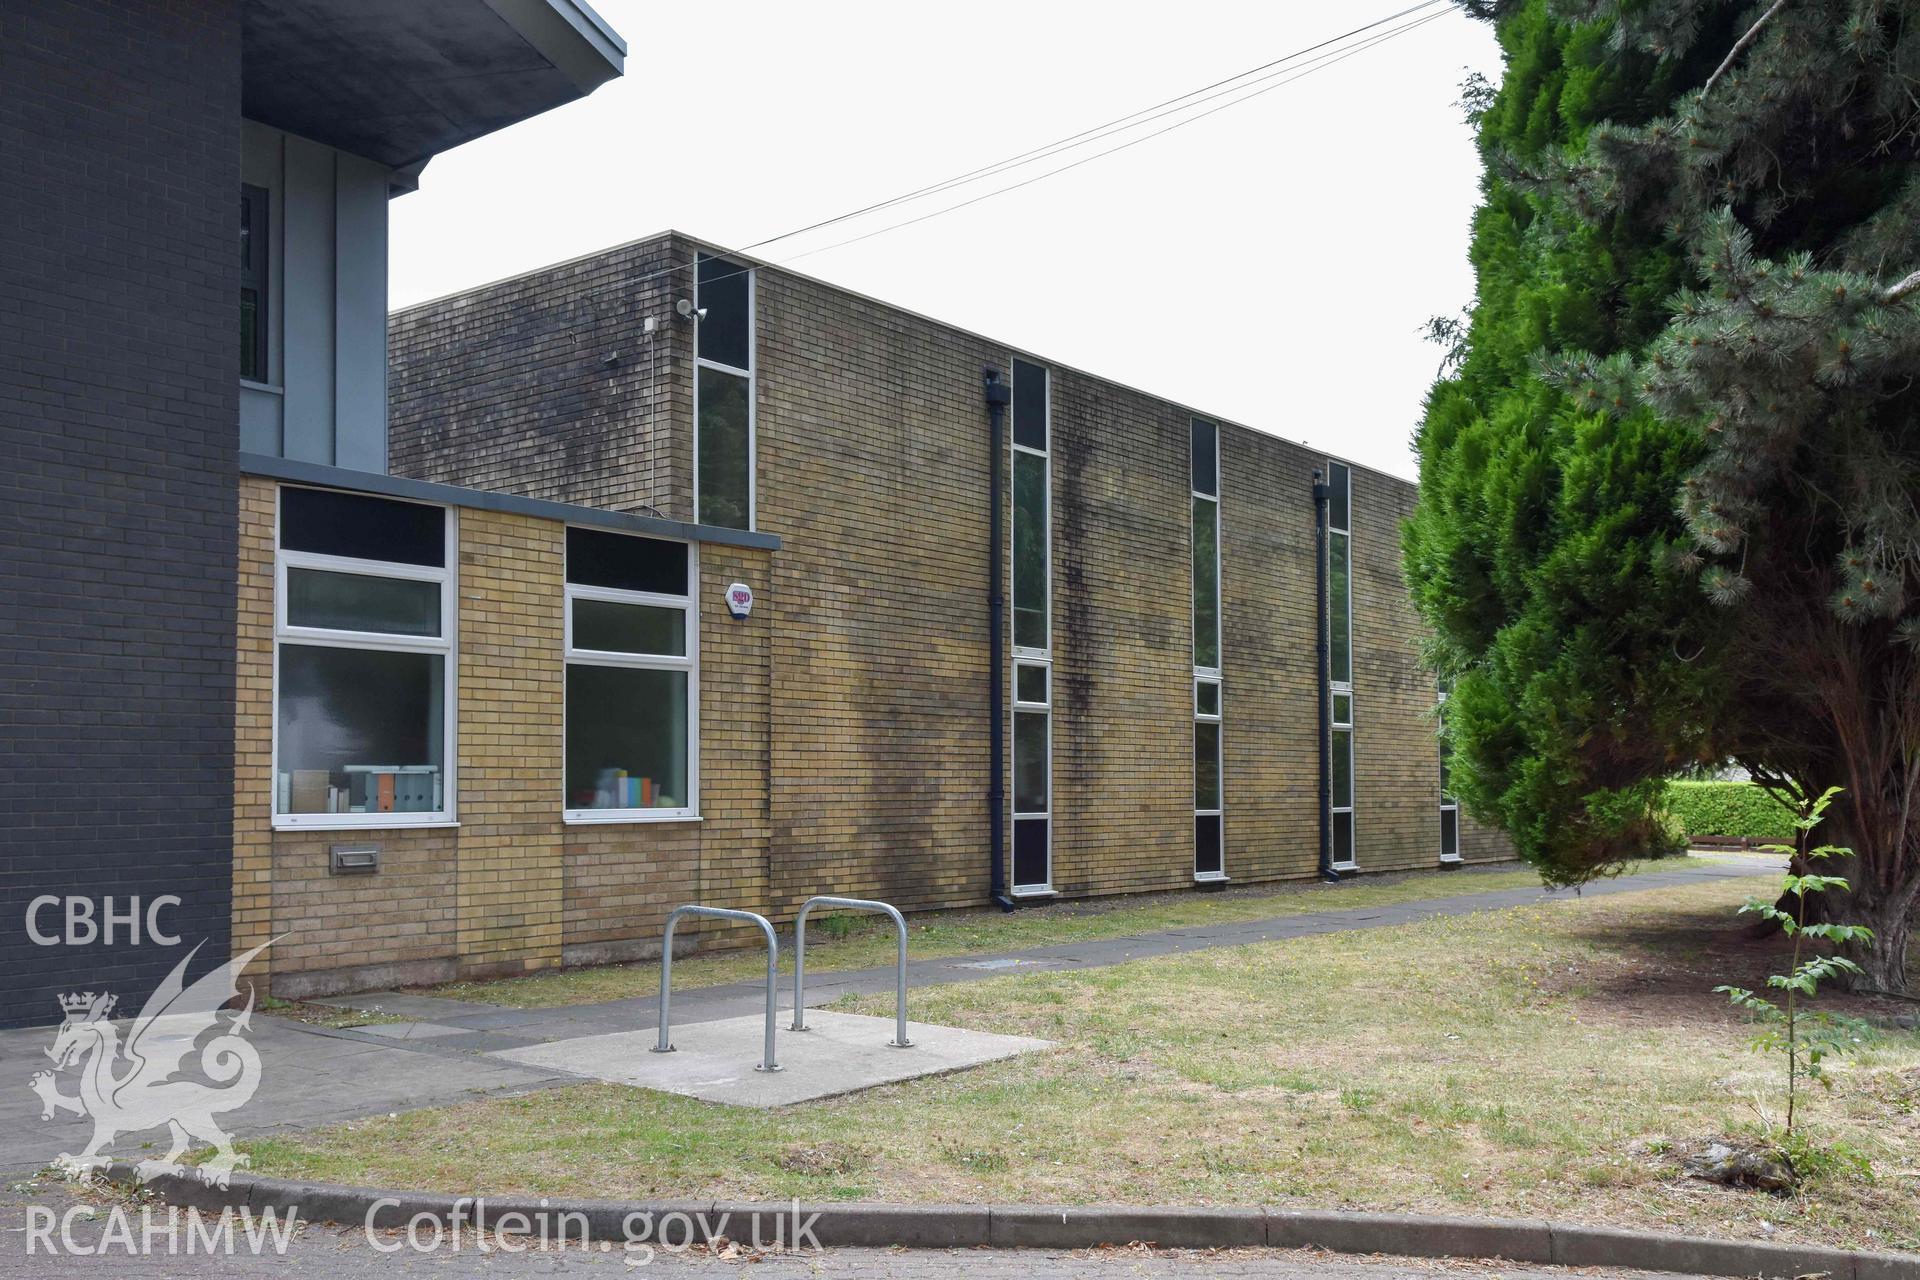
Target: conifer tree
pixel 1670 486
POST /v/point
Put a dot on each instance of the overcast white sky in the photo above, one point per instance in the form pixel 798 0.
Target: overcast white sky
pixel 1272 263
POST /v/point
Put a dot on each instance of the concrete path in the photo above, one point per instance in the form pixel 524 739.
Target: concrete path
pixel 465 1024
pixel 313 1076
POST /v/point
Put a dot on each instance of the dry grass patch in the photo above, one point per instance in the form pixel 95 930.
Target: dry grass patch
pixel 1538 1061
pixel 847 941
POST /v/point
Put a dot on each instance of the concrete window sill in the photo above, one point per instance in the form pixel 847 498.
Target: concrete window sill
pixel 440 824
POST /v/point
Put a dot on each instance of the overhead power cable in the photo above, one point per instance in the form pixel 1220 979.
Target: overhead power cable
pixel 1298 74
pixel 1094 134
pixel 1268 76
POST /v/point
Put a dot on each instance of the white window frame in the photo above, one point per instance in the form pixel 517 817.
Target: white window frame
pixel 751 373
pixel 1210 675
pixel 1344 531
pixel 689 663
pixel 446 645
pixel 1044 654
pixel 1449 803
pixel 1020 707
pixel 1025 655
pixel 1211 679
pixel 1338 688
pixel 1335 725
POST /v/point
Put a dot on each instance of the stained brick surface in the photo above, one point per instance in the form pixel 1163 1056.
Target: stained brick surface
pixel 512 888
pixel 845 725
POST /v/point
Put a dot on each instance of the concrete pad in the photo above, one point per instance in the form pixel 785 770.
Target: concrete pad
pixel 714 1061
pixel 407 1004
pixel 409 1030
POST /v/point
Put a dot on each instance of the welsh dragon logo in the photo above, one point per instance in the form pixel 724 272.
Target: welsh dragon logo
pixel 135 1085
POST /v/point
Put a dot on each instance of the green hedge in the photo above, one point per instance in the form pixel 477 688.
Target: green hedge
pixel 1729 809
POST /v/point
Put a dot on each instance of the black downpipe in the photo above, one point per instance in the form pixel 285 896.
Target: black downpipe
pixel 1323 667
pixel 999 396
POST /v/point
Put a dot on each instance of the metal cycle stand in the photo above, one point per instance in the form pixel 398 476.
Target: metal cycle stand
pixel 767 1062
pixel 899 1040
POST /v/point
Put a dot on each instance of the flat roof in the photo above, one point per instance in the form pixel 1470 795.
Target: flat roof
pixel 453 495
pixel 399 81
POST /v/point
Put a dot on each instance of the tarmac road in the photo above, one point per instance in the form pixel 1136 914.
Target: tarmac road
pixel 329 1252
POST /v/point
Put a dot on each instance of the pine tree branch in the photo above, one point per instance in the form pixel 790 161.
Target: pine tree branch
pixel 1910 285
pixel 1739 47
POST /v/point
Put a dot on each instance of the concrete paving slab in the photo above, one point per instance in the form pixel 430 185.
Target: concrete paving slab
pixel 714 1061
pixel 410 1030
pixel 407 1004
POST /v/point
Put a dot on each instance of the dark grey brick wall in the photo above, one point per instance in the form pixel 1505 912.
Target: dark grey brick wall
pixel 119 177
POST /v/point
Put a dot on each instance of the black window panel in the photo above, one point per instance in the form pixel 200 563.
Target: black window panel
pixel 1206 764
pixel 327 522
pixel 253 283
pixel 1029 405
pixel 1339 501
pixel 624 562
pixel 726 290
pixel 1206 845
pixel 1029 851
pixel 1449 833
pixel 724 445
pixel 1206 458
pixel 1343 837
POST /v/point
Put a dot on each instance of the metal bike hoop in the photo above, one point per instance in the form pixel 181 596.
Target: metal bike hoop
pixel 899 1040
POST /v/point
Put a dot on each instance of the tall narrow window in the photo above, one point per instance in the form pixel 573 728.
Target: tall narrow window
pixel 1340 651
pixel 253 283
pixel 1449 803
pixel 1209 858
pixel 363 633
pixel 723 393
pixel 632 701
pixel 1032 635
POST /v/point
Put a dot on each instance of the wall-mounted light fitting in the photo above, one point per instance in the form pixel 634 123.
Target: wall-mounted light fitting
pixel 688 311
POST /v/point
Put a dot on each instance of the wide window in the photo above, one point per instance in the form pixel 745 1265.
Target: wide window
pixel 1032 633
pixel 632 679
pixel 363 636
pixel 253 283
pixel 724 393
pixel 1209 788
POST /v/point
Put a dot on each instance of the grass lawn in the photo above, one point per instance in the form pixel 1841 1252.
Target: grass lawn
pixel 1547 1060
pixel 861 941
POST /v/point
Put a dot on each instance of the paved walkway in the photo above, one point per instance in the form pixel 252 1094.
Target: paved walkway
pixel 312 1075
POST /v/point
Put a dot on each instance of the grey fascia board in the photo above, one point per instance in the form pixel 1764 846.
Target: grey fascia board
pixel 570 36
pixel 315 473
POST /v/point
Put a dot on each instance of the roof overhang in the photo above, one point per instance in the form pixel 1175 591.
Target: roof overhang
pixel 399 83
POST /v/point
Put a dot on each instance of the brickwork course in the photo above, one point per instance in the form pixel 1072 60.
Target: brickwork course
pixel 119 163
pixel 845 726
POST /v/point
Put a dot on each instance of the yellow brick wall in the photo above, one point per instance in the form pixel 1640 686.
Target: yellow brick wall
pixel 1269 696
pixel 511 888
pixel 846 749
pixel 1122 565
pixel 873 471
pixel 511 699
pixel 253 920
pixel 623 878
